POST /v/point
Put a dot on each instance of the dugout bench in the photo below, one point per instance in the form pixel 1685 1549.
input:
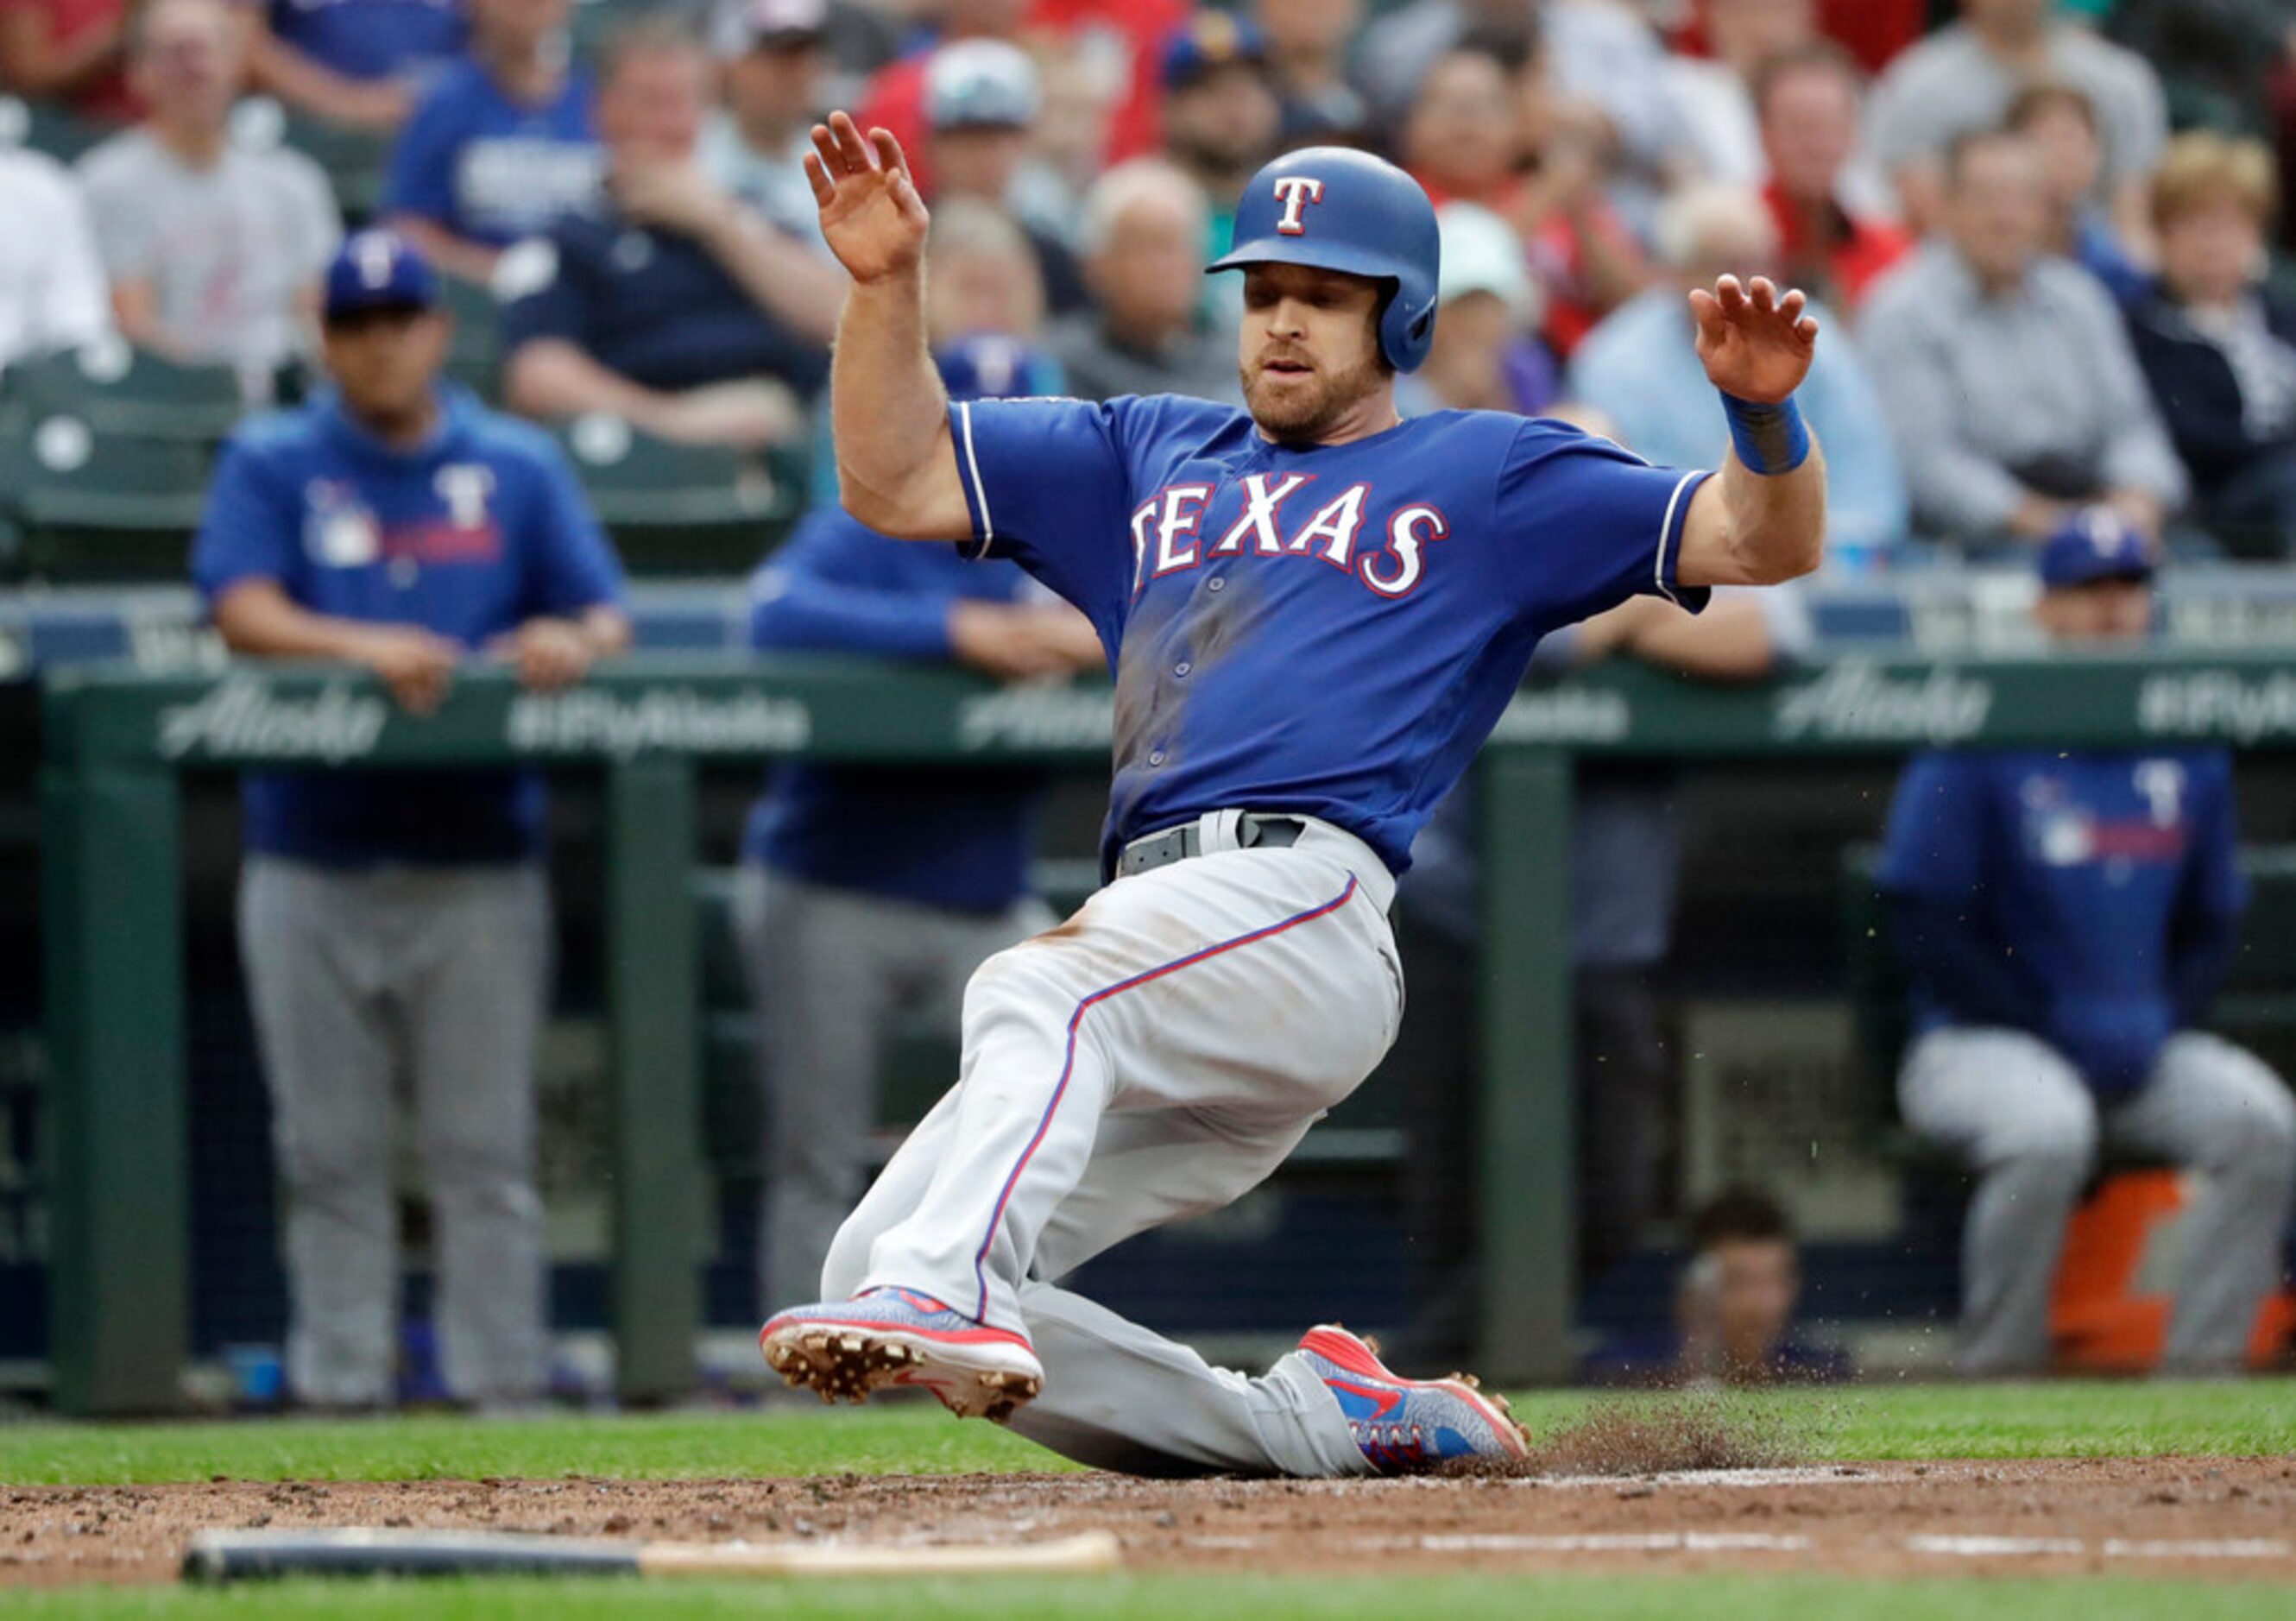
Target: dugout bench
pixel 114 742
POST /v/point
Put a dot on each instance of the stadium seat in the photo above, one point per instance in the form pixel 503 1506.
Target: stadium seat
pixel 683 509
pixel 43 126
pixel 591 22
pixel 355 160
pixel 82 506
pixel 123 392
pixel 474 359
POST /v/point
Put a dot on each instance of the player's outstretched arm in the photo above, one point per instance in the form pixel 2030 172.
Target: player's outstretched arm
pixel 896 466
pixel 1763 520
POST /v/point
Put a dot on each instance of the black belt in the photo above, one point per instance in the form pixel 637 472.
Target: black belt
pixel 1252 832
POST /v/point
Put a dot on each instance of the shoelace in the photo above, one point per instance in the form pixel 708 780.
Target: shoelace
pixel 1390 1443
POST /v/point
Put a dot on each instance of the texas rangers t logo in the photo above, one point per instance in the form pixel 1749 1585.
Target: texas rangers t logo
pixel 1297 191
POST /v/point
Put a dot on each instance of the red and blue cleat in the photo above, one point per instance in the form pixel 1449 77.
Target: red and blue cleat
pixel 901 1338
pixel 1405 1426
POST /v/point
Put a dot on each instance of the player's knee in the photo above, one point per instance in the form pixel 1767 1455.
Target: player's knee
pixel 2261 1145
pixel 2056 1145
pixel 1018 983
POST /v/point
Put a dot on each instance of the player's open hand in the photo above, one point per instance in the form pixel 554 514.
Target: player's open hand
pixel 870 210
pixel 1754 343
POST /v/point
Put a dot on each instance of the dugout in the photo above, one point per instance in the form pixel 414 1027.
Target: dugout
pixel 115 745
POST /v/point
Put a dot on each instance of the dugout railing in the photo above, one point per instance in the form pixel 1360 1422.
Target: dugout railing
pixel 115 743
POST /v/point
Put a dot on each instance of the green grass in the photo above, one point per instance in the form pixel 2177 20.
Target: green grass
pixel 1879 1422
pixel 1914 1421
pixel 1159 1598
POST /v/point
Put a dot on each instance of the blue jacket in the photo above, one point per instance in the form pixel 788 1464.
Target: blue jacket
pixel 469 534
pixel 2090 899
pixel 956 839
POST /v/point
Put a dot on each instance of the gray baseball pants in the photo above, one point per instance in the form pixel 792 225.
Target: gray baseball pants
pixel 830 969
pixel 1155 1057
pixel 432 978
pixel 2019 1113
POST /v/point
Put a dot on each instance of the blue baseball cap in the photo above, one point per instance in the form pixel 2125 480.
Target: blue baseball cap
pixel 1210 40
pixel 378 270
pixel 2095 544
pixel 991 365
pixel 981 84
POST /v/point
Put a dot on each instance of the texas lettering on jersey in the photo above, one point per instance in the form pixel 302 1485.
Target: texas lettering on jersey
pixel 1166 535
pixel 1412 570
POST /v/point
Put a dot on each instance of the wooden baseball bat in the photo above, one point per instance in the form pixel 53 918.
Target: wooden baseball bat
pixel 234 1556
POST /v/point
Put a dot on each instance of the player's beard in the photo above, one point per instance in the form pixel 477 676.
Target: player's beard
pixel 1307 408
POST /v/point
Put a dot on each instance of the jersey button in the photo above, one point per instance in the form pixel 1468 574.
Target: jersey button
pixel 1183 668
pixel 1217 582
pixel 1156 757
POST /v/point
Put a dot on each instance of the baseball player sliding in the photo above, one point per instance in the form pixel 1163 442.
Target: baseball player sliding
pixel 1315 612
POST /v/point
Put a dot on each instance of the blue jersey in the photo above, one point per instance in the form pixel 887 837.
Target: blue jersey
pixel 477 530
pixel 958 840
pixel 1326 629
pixel 371 39
pixel 473 161
pixel 2087 898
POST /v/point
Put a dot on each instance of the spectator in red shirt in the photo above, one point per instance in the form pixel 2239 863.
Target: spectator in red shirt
pixel 1127 36
pixel 69 51
pixel 1579 247
pixel 1807 99
pixel 895 96
pixel 1461 139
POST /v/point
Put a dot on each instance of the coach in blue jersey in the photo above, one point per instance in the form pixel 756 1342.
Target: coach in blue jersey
pixel 867 891
pixel 2066 918
pixel 1315 612
pixel 395 927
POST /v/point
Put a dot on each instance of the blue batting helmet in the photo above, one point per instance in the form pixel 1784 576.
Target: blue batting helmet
pixel 1338 209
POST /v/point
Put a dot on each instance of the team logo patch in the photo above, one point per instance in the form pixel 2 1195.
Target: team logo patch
pixel 1297 191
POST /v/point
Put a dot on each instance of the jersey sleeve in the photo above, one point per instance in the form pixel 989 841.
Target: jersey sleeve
pixel 574 567
pixel 1048 485
pixel 250 528
pixel 420 179
pixel 1582 525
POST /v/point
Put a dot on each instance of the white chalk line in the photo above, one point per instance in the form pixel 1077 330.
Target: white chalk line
pixel 1940 1545
pixel 2111 1547
pixel 1821 1475
pixel 1729 1478
pixel 1618 1542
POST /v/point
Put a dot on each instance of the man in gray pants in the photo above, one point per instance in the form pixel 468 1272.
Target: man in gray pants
pixel 395 927
pixel 869 893
pixel 2066 918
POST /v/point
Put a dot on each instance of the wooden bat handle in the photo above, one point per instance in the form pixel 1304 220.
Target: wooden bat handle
pixel 235 1556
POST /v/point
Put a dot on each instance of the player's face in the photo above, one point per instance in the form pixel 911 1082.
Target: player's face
pixel 1757 1284
pixel 1309 352
pixel 2103 610
pixel 385 360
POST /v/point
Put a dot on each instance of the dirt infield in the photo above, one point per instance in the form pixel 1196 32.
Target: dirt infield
pixel 2215 1518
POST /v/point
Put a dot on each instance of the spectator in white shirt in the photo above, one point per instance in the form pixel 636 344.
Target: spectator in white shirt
pixel 53 294
pixel 215 247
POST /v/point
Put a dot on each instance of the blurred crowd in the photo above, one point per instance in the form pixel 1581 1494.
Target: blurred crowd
pixel 2042 233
